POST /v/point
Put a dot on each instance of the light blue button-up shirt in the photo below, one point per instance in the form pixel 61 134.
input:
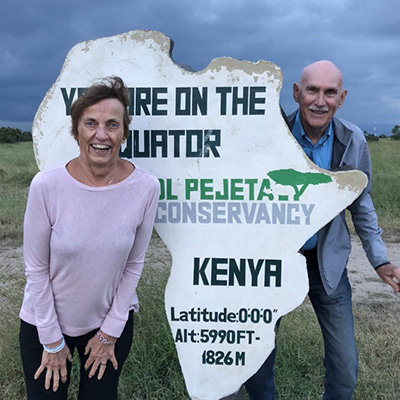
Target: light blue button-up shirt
pixel 320 154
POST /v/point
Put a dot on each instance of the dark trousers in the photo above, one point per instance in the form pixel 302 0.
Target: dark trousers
pixel 261 386
pixel 89 389
pixel 335 317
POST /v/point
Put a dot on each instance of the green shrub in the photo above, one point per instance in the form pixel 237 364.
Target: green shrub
pixel 13 135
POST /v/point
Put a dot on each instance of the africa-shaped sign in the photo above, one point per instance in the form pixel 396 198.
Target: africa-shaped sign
pixel 238 195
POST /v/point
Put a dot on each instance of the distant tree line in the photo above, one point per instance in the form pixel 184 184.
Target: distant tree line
pixel 373 138
pixel 14 135
pixel 396 132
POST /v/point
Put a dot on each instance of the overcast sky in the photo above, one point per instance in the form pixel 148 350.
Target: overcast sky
pixel 362 37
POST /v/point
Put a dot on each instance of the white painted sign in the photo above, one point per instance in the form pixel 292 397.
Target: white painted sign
pixel 238 195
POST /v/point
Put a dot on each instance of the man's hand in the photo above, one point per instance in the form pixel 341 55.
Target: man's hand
pixel 99 354
pixel 55 365
pixel 390 274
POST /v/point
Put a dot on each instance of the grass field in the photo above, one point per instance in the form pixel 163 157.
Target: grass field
pixel 152 370
pixel 385 155
pixel 17 168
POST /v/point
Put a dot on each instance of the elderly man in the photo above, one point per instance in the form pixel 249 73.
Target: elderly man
pixel 332 144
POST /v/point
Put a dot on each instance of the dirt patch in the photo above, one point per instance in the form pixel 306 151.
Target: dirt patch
pixel 366 284
pixel 11 264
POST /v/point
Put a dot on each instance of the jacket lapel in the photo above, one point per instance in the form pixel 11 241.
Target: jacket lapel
pixel 342 138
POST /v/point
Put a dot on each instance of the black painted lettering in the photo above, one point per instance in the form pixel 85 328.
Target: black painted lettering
pixel 177 134
pixel 212 140
pixel 254 100
pixel 194 142
pixel 255 271
pixel 182 101
pixel 143 100
pixel 145 142
pixel 273 269
pixel 199 272
pixel 199 101
pixel 217 271
pixel 242 100
pixel 223 91
pixel 159 140
pixel 157 101
pixel 237 273
pixel 68 99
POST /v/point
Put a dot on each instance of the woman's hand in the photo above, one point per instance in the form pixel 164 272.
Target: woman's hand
pixel 55 365
pixel 99 354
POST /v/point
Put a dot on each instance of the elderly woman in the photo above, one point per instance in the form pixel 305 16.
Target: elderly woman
pixel 87 227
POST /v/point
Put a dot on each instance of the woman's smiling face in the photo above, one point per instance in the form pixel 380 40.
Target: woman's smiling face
pixel 101 132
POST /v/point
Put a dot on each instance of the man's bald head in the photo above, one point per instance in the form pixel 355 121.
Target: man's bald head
pixel 319 94
pixel 328 68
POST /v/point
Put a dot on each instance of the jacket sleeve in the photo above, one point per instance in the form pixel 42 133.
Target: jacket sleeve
pixel 363 211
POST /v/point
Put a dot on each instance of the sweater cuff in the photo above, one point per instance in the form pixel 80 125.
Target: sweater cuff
pixel 49 334
pixel 113 326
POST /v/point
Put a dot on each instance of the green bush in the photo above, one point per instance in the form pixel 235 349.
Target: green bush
pixel 371 138
pixel 396 132
pixel 13 135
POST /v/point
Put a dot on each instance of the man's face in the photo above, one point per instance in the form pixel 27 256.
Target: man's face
pixel 319 95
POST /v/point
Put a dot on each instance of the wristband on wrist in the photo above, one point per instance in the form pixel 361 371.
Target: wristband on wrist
pixel 53 350
pixel 104 340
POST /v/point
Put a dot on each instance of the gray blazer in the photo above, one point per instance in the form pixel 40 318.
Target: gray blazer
pixel 350 151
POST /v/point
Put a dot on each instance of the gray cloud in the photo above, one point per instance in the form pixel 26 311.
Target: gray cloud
pixel 362 38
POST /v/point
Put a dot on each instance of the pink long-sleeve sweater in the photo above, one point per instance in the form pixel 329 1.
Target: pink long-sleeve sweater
pixel 84 249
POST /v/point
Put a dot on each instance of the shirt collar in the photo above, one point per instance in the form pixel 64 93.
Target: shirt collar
pixel 299 130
